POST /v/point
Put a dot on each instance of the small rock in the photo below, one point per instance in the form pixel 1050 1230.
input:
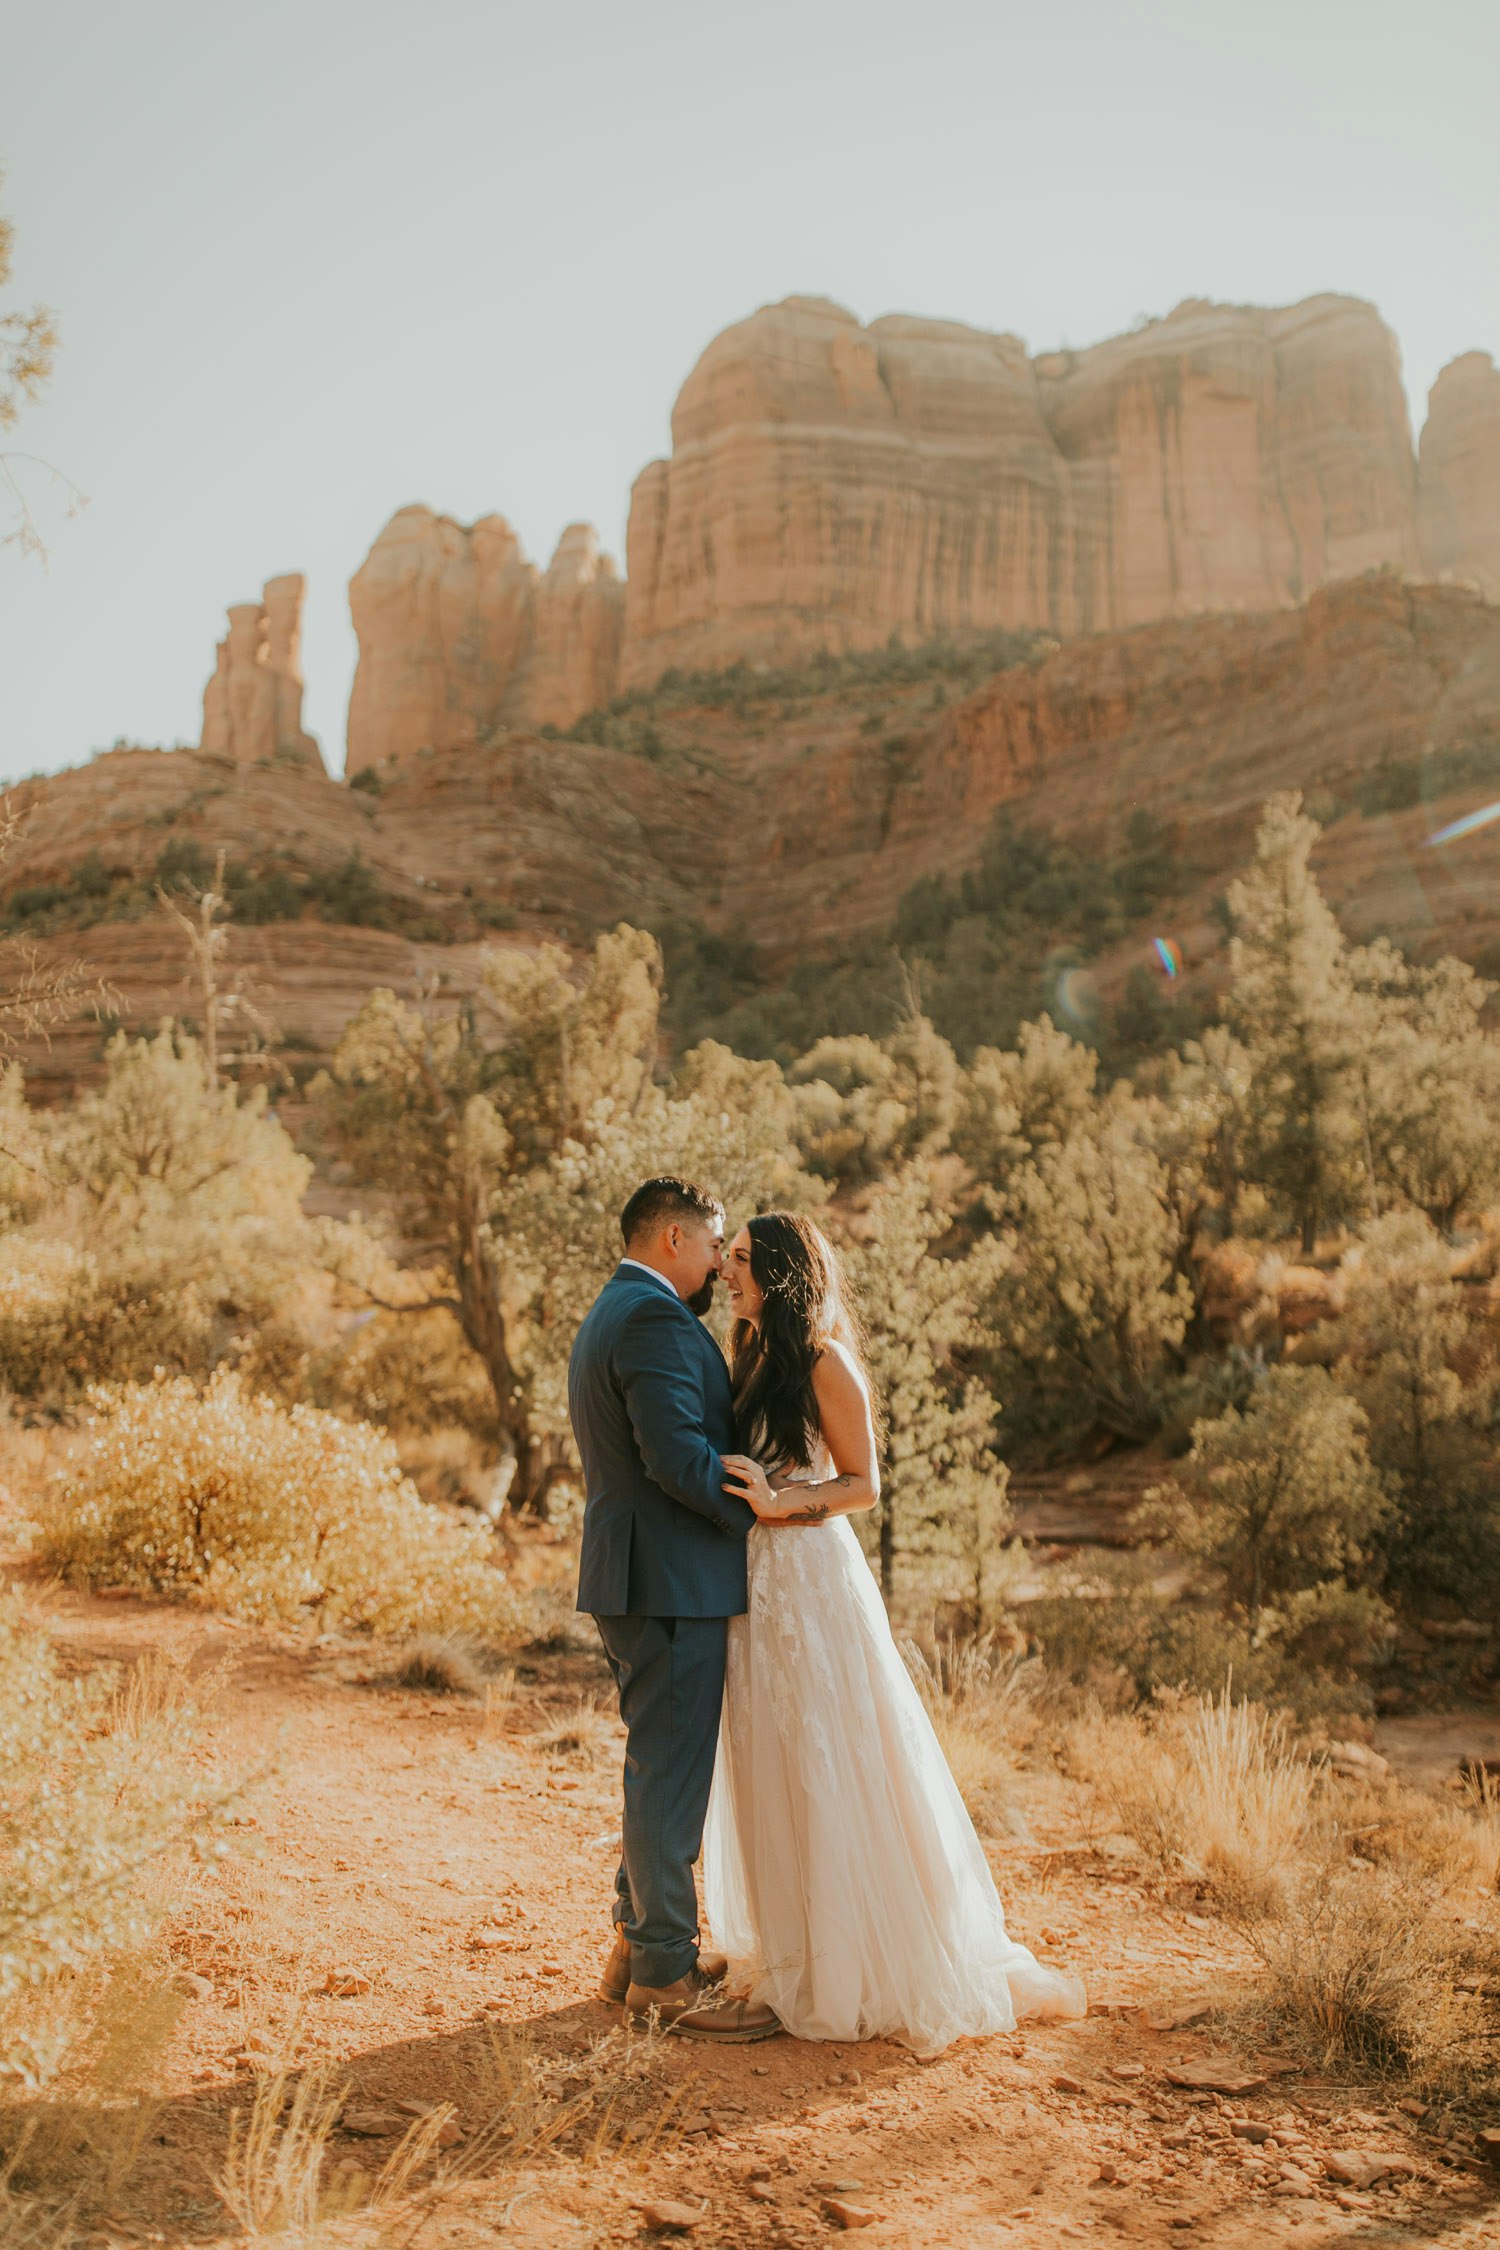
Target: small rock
pixel 1216 2075
pixel 192 1986
pixel 1250 2129
pixel 1177 2019
pixel 345 1984
pixel 761 2191
pixel 1067 2085
pixel 1108 2174
pixel 1357 1758
pixel 1362 2167
pixel 672 2218
pixel 372 2124
pixel 836 2187
pixel 1127 2070
pixel 434 2007
pixel 1348 2200
pixel 848 2214
pixel 1488 2138
pixel 1414 2109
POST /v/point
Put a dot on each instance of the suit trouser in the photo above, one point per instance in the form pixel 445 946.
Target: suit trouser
pixel 670 1676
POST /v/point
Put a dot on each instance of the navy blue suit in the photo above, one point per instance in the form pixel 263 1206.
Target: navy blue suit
pixel 662 1571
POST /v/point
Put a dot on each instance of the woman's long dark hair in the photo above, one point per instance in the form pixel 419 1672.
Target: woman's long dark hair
pixel 797 1271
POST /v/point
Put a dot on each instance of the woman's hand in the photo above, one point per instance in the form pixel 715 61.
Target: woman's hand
pixel 788 1503
pixel 747 1480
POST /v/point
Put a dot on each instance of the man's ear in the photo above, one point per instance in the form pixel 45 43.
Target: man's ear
pixel 674 1237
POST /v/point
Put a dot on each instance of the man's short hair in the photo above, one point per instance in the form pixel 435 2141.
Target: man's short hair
pixel 661 1202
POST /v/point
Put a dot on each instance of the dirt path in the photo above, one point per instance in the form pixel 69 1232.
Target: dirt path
pixel 453 1871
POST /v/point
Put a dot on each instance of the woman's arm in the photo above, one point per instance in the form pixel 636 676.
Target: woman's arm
pixel 848 1433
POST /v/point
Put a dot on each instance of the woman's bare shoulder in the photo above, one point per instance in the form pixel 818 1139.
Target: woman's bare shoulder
pixel 837 1372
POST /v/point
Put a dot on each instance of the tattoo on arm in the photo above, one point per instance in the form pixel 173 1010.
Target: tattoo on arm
pixel 817 1511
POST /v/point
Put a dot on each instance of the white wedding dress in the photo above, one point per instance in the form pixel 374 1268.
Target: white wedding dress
pixel 839 1863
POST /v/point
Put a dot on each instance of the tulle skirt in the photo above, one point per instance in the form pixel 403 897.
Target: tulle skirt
pixel 839 1862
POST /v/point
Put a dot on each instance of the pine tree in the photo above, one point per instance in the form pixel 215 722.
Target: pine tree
pixel 1291 1000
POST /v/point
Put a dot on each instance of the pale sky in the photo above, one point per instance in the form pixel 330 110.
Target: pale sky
pixel 316 260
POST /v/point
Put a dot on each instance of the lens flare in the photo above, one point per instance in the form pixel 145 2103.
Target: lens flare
pixel 1466 826
pixel 1074 997
pixel 1168 955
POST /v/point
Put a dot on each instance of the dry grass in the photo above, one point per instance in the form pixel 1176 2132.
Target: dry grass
pixel 1451 1843
pixel 1362 1969
pixel 981 1699
pixel 1208 1786
pixel 588 1734
pixel 440 1664
pixel 281 2176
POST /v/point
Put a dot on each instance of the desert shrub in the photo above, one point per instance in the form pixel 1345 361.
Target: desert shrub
pixel 1279 1497
pixel 223 1497
pixel 1402 1339
pixel 863 1106
pixel 1210 1785
pixel 407 1371
pixel 1089 1313
pixel 1360 1969
pixel 1451 1844
pixel 1116 1634
pixel 943 1505
pixel 98 1785
pixel 165 1223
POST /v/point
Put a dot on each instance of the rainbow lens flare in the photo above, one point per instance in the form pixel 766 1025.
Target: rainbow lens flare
pixel 1466 826
pixel 1168 955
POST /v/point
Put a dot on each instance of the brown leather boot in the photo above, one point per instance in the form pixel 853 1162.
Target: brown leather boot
pixel 696 2009
pixel 615 1981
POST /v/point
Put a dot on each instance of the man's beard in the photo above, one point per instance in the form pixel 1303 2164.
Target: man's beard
pixel 701 1298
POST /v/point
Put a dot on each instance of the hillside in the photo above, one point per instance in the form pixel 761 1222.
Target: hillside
pixel 774 822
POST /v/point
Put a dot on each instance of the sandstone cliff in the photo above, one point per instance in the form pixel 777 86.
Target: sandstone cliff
pixel 831 484
pixel 252 706
pixel 1460 474
pixel 458 635
pixel 845 795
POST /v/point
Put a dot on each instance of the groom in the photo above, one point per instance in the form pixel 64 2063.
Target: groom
pixel 662 1572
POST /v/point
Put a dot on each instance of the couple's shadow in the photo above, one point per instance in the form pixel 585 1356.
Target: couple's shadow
pixel 523 2087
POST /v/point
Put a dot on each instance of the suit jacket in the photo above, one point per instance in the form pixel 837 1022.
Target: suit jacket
pixel 649 1397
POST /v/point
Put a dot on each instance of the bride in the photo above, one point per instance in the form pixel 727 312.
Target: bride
pixel 838 1859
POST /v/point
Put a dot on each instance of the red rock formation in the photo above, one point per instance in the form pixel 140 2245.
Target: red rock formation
pixel 252 706
pixel 458 635
pixel 832 484
pixel 1460 474
pixel 579 612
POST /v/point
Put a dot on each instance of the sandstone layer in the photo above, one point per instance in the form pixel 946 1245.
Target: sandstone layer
pixel 459 635
pixel 1460 474
pixel 252 706
pixel 831 484
pixel 840 800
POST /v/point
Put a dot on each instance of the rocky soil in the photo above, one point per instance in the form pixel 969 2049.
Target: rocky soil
pixel 420 1907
